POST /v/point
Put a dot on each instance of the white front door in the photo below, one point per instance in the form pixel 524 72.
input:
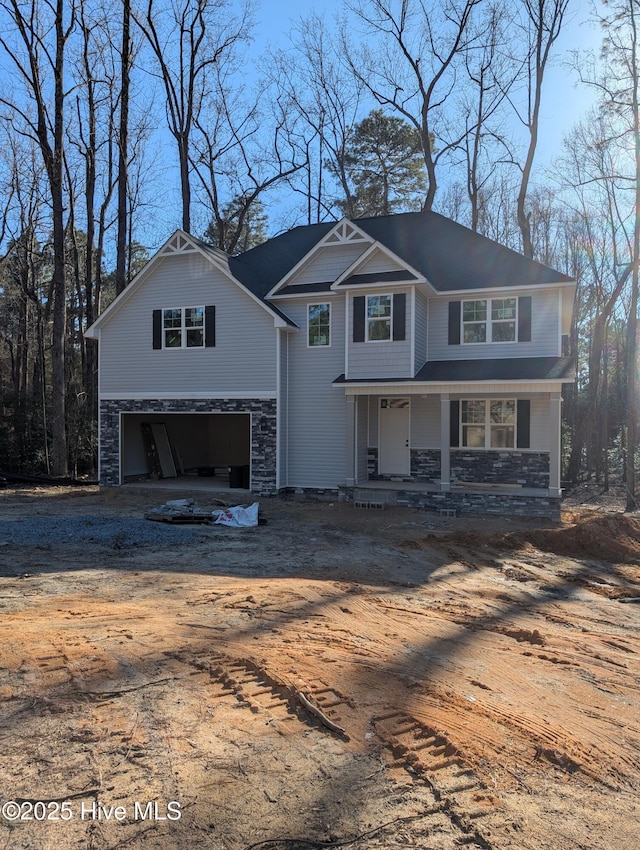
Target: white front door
pixel 395 416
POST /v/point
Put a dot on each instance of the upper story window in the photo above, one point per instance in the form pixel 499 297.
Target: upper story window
pixel 489 424
pixel 183 327
pixel 379 308
pixel 380 318
pixel 490 320
pixel 318 324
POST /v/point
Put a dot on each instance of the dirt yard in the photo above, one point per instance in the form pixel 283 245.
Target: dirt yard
pixel 334 678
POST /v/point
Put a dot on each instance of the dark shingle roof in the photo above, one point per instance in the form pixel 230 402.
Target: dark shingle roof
pixel 263 266
pixel 453 257
pixel 450 256
pixel 513 369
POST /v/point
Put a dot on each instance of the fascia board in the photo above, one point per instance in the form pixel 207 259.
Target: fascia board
pixel 124 296
pixel 420 387
pixel 531 287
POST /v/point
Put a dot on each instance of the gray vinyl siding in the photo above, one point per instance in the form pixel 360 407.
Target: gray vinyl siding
pixel 388 359
pixel 317 420
pixel 379 262
pixel 283 410
pixel 373 420
pixel 545 330
pixel 362 427
pixel 540 423
pixel 425 422
pixel 421 319
pixel 327 264
pixel 243 359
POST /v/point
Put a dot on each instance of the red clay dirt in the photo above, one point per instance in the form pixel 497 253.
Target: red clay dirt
pixel 336 677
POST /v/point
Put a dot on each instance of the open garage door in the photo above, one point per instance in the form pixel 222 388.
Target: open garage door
pixel 175 445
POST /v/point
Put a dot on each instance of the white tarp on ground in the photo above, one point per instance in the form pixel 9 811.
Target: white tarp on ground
pixel 238 517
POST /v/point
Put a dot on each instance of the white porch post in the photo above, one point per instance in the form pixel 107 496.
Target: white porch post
pixel 555 440
pixel 351 441
pixel 445 451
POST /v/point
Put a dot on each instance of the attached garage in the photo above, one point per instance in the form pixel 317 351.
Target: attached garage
pixel 191 436
pixel 189 443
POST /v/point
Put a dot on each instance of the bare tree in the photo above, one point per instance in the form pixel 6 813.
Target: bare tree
pixel 491 74
pixel 123 147
pixel 411 66
pixel 542 24
pixel 37 50
pixel 321 89
pixel 188 38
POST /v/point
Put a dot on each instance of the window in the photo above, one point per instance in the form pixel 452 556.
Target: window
pixel 319 324
pixel 492 320
pixel 183 327
pixel 488 424
pixel 474 321
pixel 378 317
pixel 503 320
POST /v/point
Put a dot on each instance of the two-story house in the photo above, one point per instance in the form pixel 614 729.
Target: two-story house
pixel 401 358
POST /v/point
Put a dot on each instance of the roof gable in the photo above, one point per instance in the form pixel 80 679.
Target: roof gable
pixel 335 251
pixel 378 265
pixel 181 243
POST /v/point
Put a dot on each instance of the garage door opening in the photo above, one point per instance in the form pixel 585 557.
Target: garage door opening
pixel 212 447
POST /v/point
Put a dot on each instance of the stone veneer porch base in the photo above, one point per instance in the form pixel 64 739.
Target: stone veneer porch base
pixel 473 503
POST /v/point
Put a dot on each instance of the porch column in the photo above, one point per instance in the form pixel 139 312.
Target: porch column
pixel 445 439
pixel 351 441
pixel 555 439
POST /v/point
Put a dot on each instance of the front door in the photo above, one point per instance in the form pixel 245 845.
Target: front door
pixel 395 415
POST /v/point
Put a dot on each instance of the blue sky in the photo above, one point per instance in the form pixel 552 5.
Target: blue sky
pixel 564 103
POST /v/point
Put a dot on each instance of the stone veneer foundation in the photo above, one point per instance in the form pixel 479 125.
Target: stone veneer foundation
pixel 263 433
pixel 498 504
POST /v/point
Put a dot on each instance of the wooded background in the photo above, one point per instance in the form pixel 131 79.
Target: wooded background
pixel 394 105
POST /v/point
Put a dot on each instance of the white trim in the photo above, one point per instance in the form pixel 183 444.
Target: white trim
pixel 309 294
pixel 559 323
pixel 252 395
pixel 412 325
pixel 347 326
pixel 528 288
pixel 319 304
pixel 414 388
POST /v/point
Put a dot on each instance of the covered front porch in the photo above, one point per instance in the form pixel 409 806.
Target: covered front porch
pixel 469 447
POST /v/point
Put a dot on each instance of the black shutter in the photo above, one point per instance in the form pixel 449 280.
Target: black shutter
pixel 454 322
pixel 399 311
pixel 157 328
pixel 454 424
pixel 524 318
pixel 209 327
pixel 523 437
pixel 358 318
